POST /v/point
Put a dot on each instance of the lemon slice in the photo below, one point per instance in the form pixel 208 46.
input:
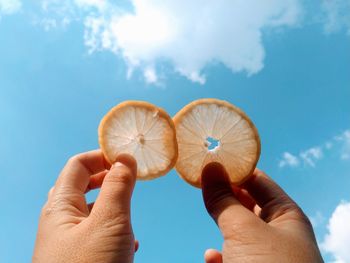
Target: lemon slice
pixel 211 130
pixel 142 130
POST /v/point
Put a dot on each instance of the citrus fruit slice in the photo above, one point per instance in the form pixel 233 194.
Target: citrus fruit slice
pixel 211 130
pixel 142 130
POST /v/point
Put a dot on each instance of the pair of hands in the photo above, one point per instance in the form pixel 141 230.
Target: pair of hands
pixel 258 221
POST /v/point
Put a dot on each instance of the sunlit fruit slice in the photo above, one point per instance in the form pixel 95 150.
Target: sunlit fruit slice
pixel 142 130
pixel 211 130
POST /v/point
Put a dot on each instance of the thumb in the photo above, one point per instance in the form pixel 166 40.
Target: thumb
pixel 220 201
pixel 212 256
pixel 114 199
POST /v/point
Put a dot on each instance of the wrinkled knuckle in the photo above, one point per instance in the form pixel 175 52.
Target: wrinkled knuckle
pixel 307 220
pixel 109 218
pixel 217 201
pixel 241 232
pixel 121 218
pixel 55 204
pixel 280 206
pixel 96 216
pixel 47 210
pixel 293 208
pixel 300 216
pixel 123 176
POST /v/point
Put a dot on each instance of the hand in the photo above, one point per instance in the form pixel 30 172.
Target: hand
pixel 70 230
pixel 259 221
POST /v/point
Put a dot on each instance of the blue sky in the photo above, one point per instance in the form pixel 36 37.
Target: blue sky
pixel 64 64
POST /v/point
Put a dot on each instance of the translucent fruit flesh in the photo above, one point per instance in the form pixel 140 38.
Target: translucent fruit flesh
pixel 210 130
pixel 144 131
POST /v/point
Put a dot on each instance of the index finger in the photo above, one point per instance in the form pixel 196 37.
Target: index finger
pixel 75 176
pixel 272 199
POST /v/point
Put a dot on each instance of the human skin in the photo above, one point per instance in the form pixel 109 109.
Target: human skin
pixel 259 222
pixel 70 230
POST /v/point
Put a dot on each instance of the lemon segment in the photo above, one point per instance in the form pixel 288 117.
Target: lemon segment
pixel 207 121
pixel 144 131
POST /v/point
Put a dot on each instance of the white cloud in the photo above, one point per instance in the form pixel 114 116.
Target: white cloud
pixel 67 11
pixel 311 155
pixel 8 7
pixel 187 35
pixel 344 140
pixel 336 15
pixel 345 155
pixel 150 75
pixel 48 23
pixel 308 157
pixel 56 13
pixel 339 144
pixel 337 239
pixel 100 4
pixel 289 160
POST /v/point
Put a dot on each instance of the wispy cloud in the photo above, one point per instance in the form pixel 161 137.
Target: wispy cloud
pixel 60 13
pixel 336 15
pixel 337 239
pixel 309 157
pixel 100 4
pixel 344 139
pixel 190 38
pixel 187 35
pixel 312 155
pixel 289 159
pixel 8 7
